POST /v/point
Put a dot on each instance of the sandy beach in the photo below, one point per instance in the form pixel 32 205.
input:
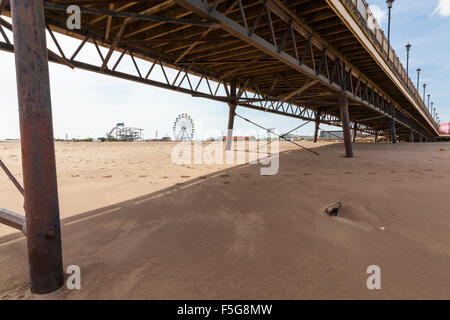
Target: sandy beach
pixel 141 227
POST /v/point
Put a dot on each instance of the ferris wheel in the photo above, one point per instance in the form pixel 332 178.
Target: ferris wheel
pixel 183 128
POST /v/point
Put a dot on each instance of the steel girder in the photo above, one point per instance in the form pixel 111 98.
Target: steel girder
pixel 205 86
pixel 331 72
pixel 342 78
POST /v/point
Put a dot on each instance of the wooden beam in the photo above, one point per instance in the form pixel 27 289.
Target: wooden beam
pixel 297 92
pixel 108 23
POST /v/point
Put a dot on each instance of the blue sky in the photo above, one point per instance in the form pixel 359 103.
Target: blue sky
pixel 86 104
pixel 426 26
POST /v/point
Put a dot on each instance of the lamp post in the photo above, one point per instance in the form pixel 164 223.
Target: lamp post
pixel 418 78
pixel 389 5
pixel 424 89
pixel 428 105
pixel 408 48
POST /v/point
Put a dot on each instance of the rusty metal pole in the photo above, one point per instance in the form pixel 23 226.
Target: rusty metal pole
pixel 11 177
pixel 232 113
pixel 316 129
pixel 393 131
pixel 231 116
pixel 38 153
pixel 345 118
pixel 355 132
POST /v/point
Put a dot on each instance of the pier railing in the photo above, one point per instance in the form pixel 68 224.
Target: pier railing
pixel 368 22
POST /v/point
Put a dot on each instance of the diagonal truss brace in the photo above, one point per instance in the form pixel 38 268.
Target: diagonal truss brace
pixel 344 73
pixel 260 101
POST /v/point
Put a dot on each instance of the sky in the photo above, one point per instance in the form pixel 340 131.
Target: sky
pixel 86 104
pixel 425 25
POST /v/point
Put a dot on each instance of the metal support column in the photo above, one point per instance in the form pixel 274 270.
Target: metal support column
pixel 393 132
pixel 345 118
pixel 375 137
pixel 232 112
pixel 38 153
pixel 411 138
pixel 316 129
pixel 231 116
pixel 355 131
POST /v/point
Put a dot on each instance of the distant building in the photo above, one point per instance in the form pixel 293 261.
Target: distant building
pixel 296 137
pixel 445 128
pixel 289 137
pixel 235 138
pixel 122 133
pixel 331 135
pixel 163 139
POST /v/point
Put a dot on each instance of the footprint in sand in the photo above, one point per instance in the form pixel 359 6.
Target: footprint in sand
pixel 185 176
pixel 226 182
pixel 224 175
pixel 142 176
pixel 106 177
pixel 75 175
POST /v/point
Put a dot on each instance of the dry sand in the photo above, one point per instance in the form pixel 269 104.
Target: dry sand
pixel 141 227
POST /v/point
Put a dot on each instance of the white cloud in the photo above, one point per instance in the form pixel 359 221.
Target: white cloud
pixel 443 8
pixel 379 14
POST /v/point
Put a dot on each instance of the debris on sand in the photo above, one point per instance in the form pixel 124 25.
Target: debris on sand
pixel 333 210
